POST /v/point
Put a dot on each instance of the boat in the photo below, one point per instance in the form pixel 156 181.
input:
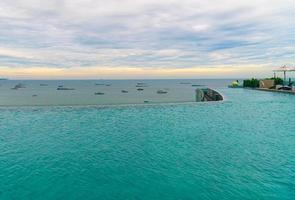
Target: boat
pixel 196 85
pixel 43 84
pixel 124 91
pixel 162 92
pixel 18 86
pixel 63 88
pixel 184 83
pixel 34 95
pixel 145 101
pixel 98 93
pixel 140 89
pixel 141 85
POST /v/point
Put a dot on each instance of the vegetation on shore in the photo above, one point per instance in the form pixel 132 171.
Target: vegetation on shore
pixel 278 80
pixel 254 83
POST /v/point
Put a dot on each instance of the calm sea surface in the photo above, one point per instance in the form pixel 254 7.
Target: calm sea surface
pixel 241 148
pixel 46 93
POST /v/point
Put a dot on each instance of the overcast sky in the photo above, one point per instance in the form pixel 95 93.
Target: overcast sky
pixel 145 38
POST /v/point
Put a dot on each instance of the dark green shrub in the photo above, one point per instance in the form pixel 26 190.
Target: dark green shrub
pixel 253 83
pixel 278 80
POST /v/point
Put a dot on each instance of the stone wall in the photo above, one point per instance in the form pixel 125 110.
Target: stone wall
pixel 266 83
pixel 207 94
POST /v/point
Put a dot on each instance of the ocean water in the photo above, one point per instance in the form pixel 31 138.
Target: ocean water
pixel 84 94
pixel 241 148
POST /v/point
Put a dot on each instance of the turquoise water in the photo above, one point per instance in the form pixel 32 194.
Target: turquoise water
pixel 242 148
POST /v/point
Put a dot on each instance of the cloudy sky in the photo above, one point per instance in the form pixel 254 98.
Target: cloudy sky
pixel 145 38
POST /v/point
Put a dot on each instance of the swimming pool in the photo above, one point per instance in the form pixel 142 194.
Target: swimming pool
pixel 241 148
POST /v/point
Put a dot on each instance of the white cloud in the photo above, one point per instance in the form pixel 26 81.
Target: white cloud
pixel 146 33
pixel 201 27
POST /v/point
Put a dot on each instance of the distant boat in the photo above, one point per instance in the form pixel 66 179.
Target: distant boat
pixel 162 92
pixel 34 95
pixel 108 85
pixel 43 84
pixel 98 93
pixel 196 85
pixel 63 88
pixel 18 86
pixel 184 83
pixel 145 101
pixel 124 91
pixel 140 89
pixel 141 85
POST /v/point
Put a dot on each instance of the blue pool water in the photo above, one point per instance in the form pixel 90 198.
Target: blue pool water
pixel 242 148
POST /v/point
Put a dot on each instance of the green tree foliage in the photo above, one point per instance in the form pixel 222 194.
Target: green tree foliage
pixel 253 83
pixel 278 80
